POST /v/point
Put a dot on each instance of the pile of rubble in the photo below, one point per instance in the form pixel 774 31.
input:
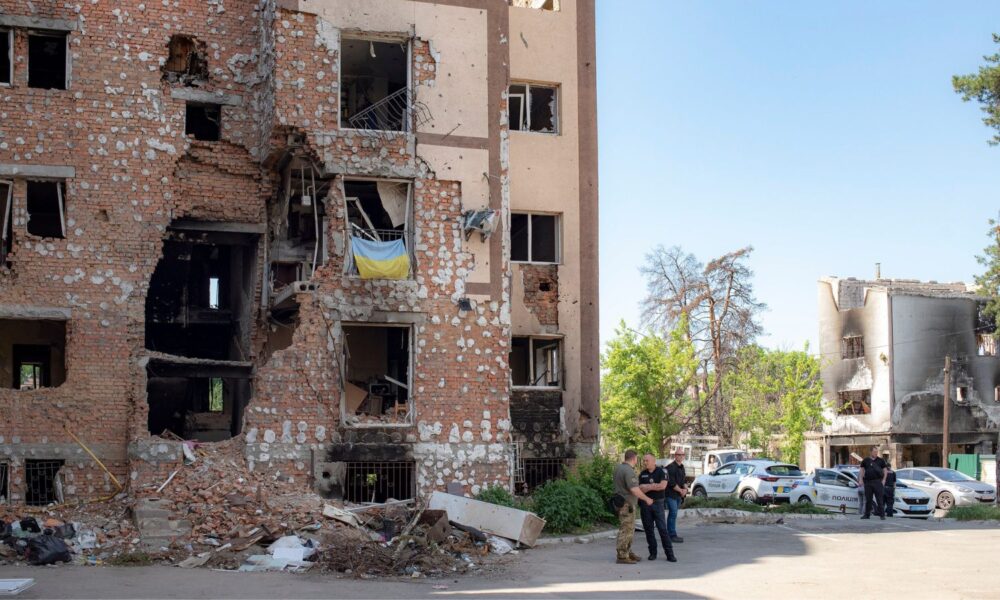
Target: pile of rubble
pixel 215 512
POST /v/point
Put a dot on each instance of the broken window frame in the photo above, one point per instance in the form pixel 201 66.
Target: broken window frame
pixel 852 346
pixel 349 420
pixel 9 34
pixel 524 117
pixel 407 125
pixel 191 103
pixel 61 199
pixel 561 367
pixel 846 404
pixel 350 267
pixel 558 238
pixel 69 55
pixel 7 233
pixel 545 5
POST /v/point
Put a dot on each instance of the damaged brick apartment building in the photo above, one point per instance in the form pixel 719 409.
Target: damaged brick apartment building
pixel 359 237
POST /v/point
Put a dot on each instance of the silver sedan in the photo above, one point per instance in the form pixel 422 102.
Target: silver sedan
pixel 948 486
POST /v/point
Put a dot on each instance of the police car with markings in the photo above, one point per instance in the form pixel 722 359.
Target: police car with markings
pixel 760 481
pixel 838 491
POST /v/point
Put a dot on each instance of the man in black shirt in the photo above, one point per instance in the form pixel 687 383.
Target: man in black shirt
pixel 890 490
pixel 873 472
pixel 653 482
pixel 676 491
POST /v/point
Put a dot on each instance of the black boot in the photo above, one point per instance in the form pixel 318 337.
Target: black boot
pixel 670 556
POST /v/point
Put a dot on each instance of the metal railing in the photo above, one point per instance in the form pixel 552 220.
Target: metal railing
pixel 396 112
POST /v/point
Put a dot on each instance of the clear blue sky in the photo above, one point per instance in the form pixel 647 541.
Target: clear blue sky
pixel 826 135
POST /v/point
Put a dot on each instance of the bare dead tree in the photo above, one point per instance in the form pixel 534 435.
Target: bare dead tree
pixel 721 310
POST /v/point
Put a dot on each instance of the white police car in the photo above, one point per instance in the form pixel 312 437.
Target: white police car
pixel 762 481
pixel 838 491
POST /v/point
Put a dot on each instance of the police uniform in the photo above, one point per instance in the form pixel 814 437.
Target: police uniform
pixel 653 517
pixel 871 472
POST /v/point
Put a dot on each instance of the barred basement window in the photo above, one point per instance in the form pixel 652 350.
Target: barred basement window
pixel 852 347
pixel 42 482
pixel 379 481
pixel 539 471
pixel 854 402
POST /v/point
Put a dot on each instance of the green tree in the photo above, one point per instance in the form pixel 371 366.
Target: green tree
pixel 776 393
pixel 989 281
pixel 645 388
pixel 984 87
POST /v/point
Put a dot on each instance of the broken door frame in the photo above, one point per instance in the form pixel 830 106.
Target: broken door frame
pixel 531 361
pixel 411 363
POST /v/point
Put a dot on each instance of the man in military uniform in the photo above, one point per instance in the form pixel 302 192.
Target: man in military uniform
pixel 626 499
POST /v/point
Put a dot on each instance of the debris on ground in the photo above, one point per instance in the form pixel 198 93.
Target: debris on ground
pixel 214 512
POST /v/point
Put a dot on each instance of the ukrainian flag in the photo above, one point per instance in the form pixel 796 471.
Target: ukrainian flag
pixel 381 260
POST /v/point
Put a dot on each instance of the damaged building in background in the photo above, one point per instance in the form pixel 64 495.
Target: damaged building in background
pixel 357 237
pixel 883 345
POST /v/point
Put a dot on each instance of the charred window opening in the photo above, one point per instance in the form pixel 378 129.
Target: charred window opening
pixel 852 347
pixel 203 121
pixel 536 362
pixel 186 61
pixel 6 56
pixel 533 107
pixel 46 209
pixel 378 216
pixel 377 367
pixel 7 233
pixel 4 483
pixel 35 351
pixel 47 60
pixel 539 471
pixel 962 395
pixel 42 482
pixel 299 232
pixel 855 402
pixel 379 481
pixel 987 344
pixel 373 85
pixel 198 318
pixel 196 402
pixel 534 238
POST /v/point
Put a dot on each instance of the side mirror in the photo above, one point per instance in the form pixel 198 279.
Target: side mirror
pixel 929 479
pixel 851 484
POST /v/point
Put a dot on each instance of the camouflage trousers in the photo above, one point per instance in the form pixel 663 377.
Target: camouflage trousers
pixel 626 530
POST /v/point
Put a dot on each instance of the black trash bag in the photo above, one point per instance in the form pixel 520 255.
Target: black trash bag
pixel 30 525
pixel 47 550
pixel 66 532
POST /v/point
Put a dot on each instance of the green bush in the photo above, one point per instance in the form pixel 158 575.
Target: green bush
pixel 496 494
pixel 596 474
pixel 567 506
pixel 800 508
pixel 986 512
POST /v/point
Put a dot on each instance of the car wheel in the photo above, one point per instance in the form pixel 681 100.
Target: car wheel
pixel 699 492
pixel 748 495
pixel 945 501
pixel 804 500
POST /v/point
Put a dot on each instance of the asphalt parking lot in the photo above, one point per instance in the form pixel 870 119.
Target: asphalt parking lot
pixel 807 559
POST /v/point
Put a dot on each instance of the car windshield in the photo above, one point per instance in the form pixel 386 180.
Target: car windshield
pixel 728 457
pixel 785 470
pixel 949 475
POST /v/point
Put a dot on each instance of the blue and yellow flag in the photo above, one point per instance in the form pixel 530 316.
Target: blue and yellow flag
pixel 381 260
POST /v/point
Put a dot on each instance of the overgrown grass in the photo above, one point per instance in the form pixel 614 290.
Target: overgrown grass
pixel 131 559
pixel 988 512
pixel 799 509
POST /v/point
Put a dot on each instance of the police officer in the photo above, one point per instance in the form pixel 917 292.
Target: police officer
pixel 653 482
pixel 873 472
pixel 890 490
pixel 627 495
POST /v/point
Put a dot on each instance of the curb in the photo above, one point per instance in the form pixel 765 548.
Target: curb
pixel 577 539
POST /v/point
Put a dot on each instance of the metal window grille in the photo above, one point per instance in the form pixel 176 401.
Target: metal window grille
pixel 4 483
pixel 538 471
pixel 42 484
pixel 379 481
pixel 855 402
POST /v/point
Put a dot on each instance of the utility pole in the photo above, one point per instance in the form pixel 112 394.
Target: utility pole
pixel 947 411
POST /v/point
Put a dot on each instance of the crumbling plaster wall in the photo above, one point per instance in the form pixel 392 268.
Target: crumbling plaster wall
pixel 460 426
pixel 119 128
pixel 869 317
